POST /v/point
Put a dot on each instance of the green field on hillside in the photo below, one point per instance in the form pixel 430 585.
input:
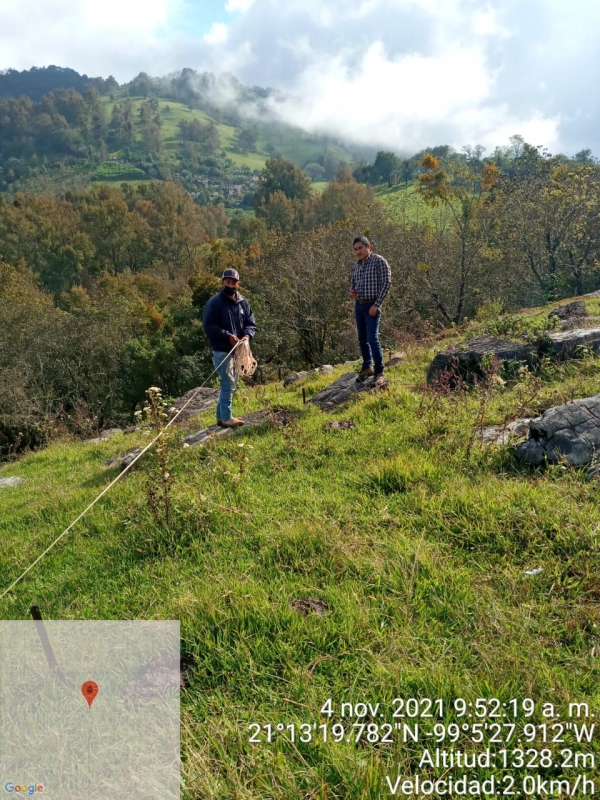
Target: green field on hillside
pixel 414 534
pixel 405 203
pixel 292 143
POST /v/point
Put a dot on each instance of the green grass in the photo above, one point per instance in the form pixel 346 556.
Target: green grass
pixel 405 203
pixel 414 534
pixel 319 186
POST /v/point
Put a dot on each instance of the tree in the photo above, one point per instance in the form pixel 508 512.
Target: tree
pixel 246 139
pixel 315 171
pixel 387 167
pixel 549 217
pixel 344 174
pixel 279 175
pixel 450 268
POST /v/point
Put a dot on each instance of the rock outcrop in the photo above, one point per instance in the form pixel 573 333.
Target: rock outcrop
pixel 564 345
pixel 468 362
pixel 205 398
pixel 575 309
pixel 570 431
pixel 340 391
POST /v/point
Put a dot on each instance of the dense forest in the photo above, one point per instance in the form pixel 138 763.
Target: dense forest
pixel 102 286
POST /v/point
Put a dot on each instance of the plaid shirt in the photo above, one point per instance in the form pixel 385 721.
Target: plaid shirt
pixel 372 278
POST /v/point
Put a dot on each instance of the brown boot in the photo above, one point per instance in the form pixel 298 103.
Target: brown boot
pixel 220 423
pixel 364 374
pixel 379 381
pixel 234 422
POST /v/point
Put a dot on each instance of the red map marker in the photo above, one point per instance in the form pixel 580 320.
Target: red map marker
pixel 89 690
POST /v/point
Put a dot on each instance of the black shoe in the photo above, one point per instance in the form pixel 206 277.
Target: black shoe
pixel 364 374
pixel 220 423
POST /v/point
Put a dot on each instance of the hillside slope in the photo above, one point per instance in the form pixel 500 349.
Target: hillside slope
pixel 415 534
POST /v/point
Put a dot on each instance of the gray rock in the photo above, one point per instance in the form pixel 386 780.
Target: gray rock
pixel 467 362
pixel 205 398
pixel 104 436
pixel 501 434
pixel 340 391
pixel 395 360
pixel 250 421
pixel 579 322
pixel 564 344
pixel 570 431
pixel 294 377
pixel 300 376
pixel 11 482
pixel 575 309
pixel 123 459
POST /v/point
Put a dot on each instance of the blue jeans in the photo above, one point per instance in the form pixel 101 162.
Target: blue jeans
pixel 228 386
pixel 368 336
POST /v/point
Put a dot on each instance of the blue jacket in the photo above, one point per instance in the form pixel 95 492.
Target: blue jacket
pixel 223 316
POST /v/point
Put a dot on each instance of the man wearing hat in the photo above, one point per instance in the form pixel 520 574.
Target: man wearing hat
pixel 227 320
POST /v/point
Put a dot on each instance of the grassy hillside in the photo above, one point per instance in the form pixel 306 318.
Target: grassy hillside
pixel 415 535
pixel 404 202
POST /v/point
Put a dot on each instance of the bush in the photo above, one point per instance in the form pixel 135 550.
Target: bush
pixel 113 171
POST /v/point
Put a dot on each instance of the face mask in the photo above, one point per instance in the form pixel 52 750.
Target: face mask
pixel 229 290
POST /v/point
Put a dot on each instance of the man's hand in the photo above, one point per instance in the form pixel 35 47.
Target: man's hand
pixel 353 293
pixel 233 339
pixel 373 311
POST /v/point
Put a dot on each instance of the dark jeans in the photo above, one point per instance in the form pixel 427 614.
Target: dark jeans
pixel 368 336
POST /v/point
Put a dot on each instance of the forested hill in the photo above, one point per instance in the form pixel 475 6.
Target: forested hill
pixel 60 130
pixel 38 81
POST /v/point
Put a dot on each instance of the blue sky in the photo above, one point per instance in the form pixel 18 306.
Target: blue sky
pixel 197 17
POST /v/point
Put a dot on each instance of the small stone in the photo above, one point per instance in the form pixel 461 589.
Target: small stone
pixel 104 436
pixel 339 425
pixel 294 377
pixel 12 482
pixel 395 360
pixel 123 460
pixel 304 607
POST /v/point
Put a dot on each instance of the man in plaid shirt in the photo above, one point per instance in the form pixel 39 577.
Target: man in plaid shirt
pixel 371 281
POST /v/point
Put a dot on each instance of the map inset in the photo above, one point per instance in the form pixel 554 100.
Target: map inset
pixel 92 713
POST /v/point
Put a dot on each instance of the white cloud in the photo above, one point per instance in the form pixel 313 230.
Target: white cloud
pixel 98 38
pixel 139 15
pixel 238 5
pixel 398 73
pixel 406 102
pixel 487 23
pixel 217 34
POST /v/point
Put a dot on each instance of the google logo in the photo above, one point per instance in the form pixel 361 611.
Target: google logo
pixel 31 789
